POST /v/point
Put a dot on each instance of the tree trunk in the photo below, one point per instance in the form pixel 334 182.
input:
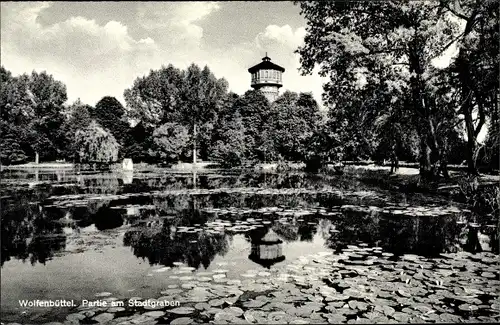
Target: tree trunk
pixel 429 152
pixel 467 108
pixel 194 144
pixel 471 141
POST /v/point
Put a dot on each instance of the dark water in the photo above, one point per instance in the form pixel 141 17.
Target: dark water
pixel 69 236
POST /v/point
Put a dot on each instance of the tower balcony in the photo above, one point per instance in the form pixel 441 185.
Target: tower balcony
pixel 259 82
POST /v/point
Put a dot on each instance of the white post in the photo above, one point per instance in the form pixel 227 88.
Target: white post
pixel 36 158
pixel 194 144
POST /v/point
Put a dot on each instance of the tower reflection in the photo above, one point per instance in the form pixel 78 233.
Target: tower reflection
pixel 266 248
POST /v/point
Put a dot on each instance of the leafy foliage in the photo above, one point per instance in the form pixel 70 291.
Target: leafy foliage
pixel 230 149
pixel 32 105
pixel 110 114
pixel 379 58
pixel 96 145
pixel 171 140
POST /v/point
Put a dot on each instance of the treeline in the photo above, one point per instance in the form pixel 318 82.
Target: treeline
pixel 169 113
pixel 387 96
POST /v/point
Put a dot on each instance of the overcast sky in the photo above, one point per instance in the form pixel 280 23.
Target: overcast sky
pixel 99 48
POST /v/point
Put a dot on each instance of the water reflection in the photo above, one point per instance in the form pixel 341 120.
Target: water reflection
pixel 427 236
pixel 162 243
pixel 35 226
pixel 28 232
pixel 267 248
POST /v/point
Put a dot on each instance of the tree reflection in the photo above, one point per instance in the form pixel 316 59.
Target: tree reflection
pixel 28 232
pixel 162 244
pixel 427 236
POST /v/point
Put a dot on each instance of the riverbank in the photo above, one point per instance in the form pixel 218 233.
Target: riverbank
pixel 47 165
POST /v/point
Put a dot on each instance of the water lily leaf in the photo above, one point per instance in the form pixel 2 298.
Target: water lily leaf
pixel 220 271
pixel 488 275
pixel 335 319
pixel 169 292
pixel 160 270
pixel 182 321
pixel 278 317
pixel 404 293
pixel 75 317
pixel 254 303
pixel 154 314
pixel 386 310
pixel 103 318
pixel 216 302
pixel 115 309
pixel 236 311
pixel 400 317
pixel 182 310
pixel 255 316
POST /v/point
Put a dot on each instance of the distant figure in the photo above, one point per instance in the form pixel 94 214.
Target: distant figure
pixel 127 164
pixel 394 160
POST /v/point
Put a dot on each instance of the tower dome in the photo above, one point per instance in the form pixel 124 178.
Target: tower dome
pixel 267 77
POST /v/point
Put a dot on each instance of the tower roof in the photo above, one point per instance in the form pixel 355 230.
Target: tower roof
pixel 266 64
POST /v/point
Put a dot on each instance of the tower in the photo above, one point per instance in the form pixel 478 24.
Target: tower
pixel 267 77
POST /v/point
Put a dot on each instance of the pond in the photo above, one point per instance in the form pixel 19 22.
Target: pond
pixel 239 248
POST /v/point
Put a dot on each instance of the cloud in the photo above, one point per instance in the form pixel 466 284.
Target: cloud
pixel 99 59
pixel 77 51
pixel 177 19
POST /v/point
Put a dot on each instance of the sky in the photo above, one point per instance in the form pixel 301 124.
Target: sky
pixel 98 49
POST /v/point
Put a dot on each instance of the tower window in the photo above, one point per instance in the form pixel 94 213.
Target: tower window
pixel 266 74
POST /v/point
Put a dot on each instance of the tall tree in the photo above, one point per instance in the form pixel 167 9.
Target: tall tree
pixel 201 95
pixel 254 109
pixel 475 69
pixel 393 38
pixel 33 104
pixel 190 98
pixel 109 113
pixel 292 121
pixel 155 98
pixel 78 119
pixel 171 140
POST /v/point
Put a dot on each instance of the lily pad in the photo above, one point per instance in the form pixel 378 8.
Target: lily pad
pixel 182 310
pixel 104 317
pixel 154 314
pixel 182 321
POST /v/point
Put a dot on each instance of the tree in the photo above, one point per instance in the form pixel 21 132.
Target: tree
pixel 190 98
pixel 352 41
pixel 78 119
pixel 201 96
pixel 110 114
pixel 10 147
pixel 32 105
pixel 138 142
pixel 475 69
pixel 96 145
pixel 230 149
pixel 292 121
pixel 254 109
pixel 47 96
pixel 171 140
pixel 155 98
